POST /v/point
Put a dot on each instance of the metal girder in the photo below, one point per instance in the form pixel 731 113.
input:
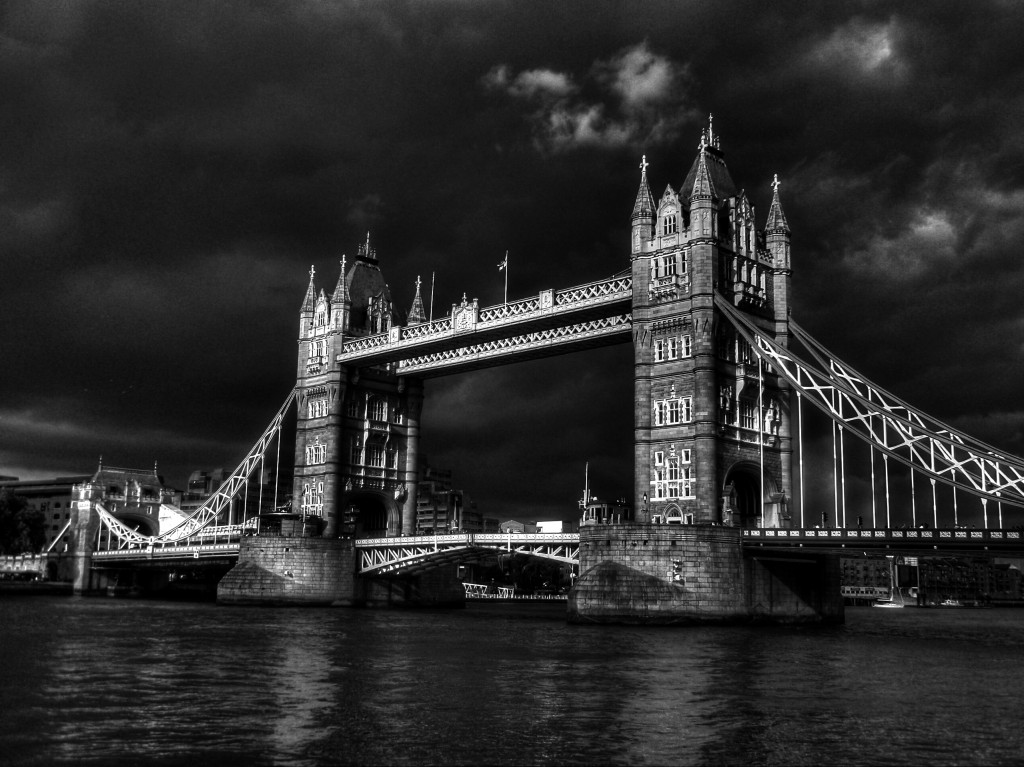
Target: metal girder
pixel 534 344
pixel 549 309
pixel 895 428
pixel 408 555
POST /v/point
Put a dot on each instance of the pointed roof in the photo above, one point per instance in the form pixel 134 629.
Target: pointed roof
pixel 776 218
pixel 644 205
pixel 309 303
pixel 416 314
pixel 709 177
pixel 340 290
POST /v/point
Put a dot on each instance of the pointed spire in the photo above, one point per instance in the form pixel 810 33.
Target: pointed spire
pixel 703 186
pixel 309 303
pixel 644 205
pixel 416 314
pixel 340 290
pixel 776 218
pixel 365 251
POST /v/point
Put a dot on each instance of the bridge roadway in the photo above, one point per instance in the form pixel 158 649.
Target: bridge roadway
pixel 412 554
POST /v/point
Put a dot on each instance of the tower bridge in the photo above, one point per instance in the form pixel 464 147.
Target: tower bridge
pixel 720 388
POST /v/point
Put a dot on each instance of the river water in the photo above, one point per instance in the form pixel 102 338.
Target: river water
pixel 102 681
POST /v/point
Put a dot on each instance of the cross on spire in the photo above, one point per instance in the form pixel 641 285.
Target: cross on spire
pixel 776 183
pixel 644 164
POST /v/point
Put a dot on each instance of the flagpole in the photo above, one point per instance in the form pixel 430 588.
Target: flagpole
pixel 506 277
pixel 432 275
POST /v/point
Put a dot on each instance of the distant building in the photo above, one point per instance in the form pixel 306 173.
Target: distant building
pixel 441 508
pixel 557 526
pixel 201 485
pixel 515 526
pixel 135 496
pixel 50 497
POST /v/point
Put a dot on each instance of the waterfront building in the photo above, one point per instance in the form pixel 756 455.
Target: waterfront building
pixel 50 497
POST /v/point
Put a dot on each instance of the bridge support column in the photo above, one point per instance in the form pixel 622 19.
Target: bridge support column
pixel 86 524
pixel 410 475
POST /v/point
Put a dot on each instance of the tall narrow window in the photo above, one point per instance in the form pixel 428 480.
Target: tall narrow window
pixel 673 348
pixel 686 409
pixel 375 456
pixel 659 350
pixel 378 409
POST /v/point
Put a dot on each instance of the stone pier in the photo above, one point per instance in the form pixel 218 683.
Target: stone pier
pixel 697 574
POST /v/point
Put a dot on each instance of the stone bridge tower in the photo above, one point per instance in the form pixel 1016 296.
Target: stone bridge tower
pixel 712 430
pixel 357 431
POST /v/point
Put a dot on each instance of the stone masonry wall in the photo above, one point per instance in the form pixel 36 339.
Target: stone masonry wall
pixel 695 574
pixel 658 574
pixel 281 570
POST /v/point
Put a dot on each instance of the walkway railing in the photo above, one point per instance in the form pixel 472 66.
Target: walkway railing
pixel 402 341
pixel 912 538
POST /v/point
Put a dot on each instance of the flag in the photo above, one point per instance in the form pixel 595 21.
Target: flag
pixel 504 263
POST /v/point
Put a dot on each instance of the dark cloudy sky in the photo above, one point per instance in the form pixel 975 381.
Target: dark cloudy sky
pixel 170 170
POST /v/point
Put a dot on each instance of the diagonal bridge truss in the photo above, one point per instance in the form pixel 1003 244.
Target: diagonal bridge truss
pixel 200 527
pixel 411 555
pixel 898 430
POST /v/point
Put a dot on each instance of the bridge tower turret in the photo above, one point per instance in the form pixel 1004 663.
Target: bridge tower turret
pixel 711 426
pixel 320 388
pixel 777 240
pixel 712 443
pixel 357 431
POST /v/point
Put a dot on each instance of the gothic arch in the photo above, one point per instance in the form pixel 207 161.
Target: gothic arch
pixel 368 513
pixel 743 497
pixel 673 514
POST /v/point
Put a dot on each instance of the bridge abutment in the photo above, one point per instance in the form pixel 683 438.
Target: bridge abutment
pixel 697 574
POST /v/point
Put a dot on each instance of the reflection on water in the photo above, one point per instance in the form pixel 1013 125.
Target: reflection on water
pixel 123 682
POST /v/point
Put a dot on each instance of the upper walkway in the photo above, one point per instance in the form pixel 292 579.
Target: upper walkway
pixel 582 316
